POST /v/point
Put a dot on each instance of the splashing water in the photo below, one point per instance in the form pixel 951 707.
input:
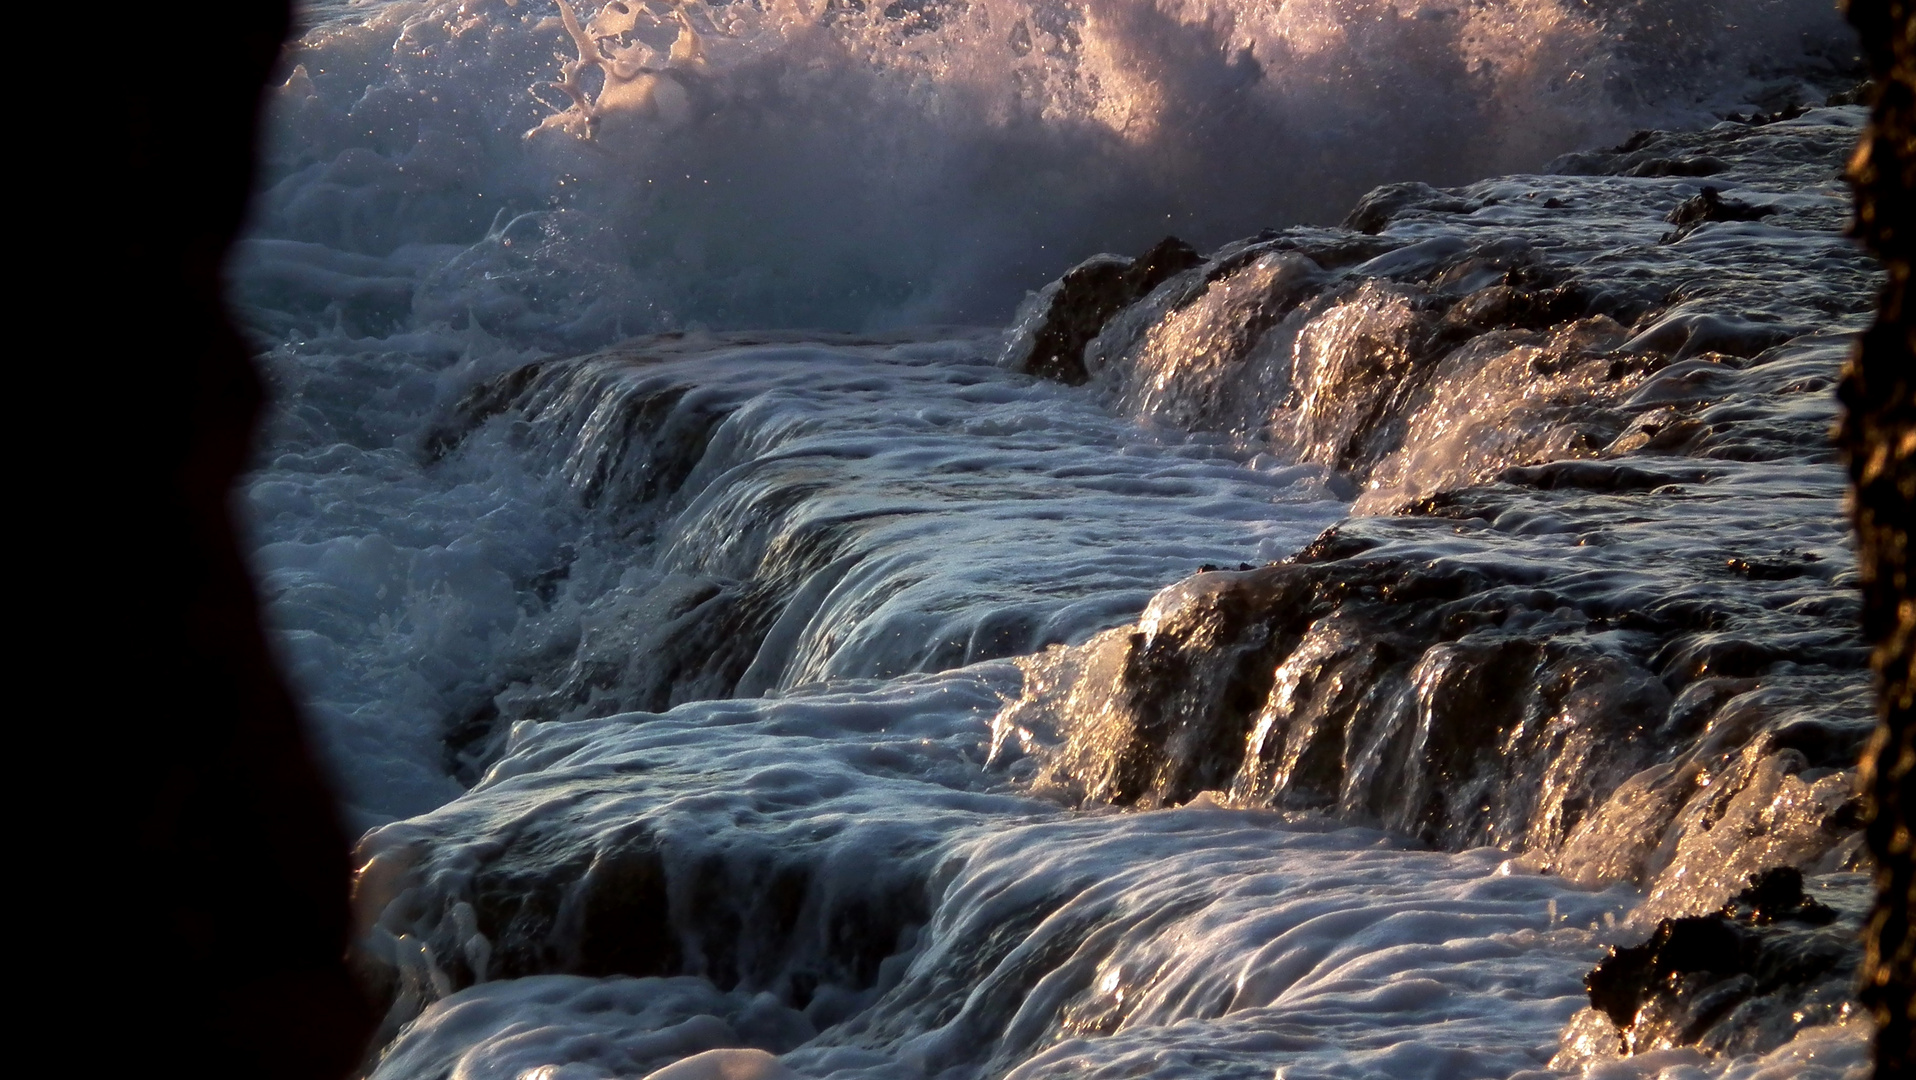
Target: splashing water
pixel 577 173
pixel 844 704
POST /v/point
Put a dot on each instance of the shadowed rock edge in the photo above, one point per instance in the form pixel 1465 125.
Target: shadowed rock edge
pixel 1878 435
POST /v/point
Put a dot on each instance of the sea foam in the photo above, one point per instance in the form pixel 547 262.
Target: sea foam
pixel 838 164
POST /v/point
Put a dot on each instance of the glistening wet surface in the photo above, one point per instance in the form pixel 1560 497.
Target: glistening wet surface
pixel 1306 658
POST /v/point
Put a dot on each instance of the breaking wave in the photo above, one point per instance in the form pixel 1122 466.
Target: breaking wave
pixel 574 175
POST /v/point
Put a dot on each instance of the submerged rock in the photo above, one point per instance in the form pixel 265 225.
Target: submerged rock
pixel 1709 205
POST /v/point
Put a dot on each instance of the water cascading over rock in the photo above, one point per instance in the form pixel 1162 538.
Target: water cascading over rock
pixel 1598 613
pixel 1480 387
pixel 716 690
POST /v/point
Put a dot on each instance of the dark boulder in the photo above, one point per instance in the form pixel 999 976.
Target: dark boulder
pixel 1709 205
pixel 1089 295
pixel 1743 979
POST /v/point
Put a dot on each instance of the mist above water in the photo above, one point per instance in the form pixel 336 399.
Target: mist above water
pixel 833 163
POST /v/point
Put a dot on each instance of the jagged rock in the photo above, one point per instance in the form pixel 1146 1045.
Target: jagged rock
pixel 1742 980
pixel 1421 675
pixel 1707 206
pixel 1089 295
pixel 1776 895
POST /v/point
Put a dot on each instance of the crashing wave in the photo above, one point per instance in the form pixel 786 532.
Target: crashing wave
pixel 793 163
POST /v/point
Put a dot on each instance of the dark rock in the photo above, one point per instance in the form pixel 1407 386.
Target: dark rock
pixel 1863 93
pixel 1514 307
pixel 1341 249
pixel 1594 476
pixel 1713 655
pixel 1376 209
pixel 1621 983
pixel 1637 141
pixel 1089 296
pixel 1759 118
pixel 480 404
pixel 1709 205
pixel 615 906
pixel 208 829
pixel 1354 639
pixel 1781 568
pixel 1743 979
pixel 1646 153
pixel 1774 895
pixel 1824 744
pixel 1878 435
pixel 1699 165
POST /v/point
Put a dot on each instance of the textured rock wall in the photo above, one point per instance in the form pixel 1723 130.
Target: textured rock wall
pixel 1879 435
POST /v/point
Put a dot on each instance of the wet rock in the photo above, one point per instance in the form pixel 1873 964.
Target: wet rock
pixel 1743 979
pixel 1562 662
pixel 548 896
pixel 1389 369
pixel 1776 895
pixel 1595 476
pixel 1709 205
pixel 1685 333
pixel 1878 436
pixel 1089 295
pixel 1392 691
pixel 1700 165
pixel 1782 567
pixel 1644 154
pixel 1514 306
pixel 605 914
pixel 1825 744
pixel 1334 249
pixel 1420 672
pixel 1788 112
pixel 480 404
pixel 1863 93
pixel 1376 209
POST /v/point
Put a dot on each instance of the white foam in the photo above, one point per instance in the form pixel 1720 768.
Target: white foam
pixel 1839 1051
pixel 1194 939
pixel 411 593
pixel 812 164
pixel 561 1027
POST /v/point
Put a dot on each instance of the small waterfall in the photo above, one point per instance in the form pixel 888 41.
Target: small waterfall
pixel 1429 670
pixel 1398 647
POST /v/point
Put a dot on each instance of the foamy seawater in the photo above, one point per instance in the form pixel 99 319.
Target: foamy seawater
pixel 823 164
pixel 1303 653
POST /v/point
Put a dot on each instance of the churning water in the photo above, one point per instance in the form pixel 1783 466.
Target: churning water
pixel 781 602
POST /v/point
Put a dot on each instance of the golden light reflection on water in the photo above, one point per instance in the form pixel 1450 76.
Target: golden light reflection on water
pixel 1139 71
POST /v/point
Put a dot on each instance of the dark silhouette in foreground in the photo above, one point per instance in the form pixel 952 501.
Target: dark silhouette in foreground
pixel 1879 436
pixel 225 861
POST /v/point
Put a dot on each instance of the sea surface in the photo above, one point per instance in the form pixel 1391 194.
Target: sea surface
pixel 794 575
